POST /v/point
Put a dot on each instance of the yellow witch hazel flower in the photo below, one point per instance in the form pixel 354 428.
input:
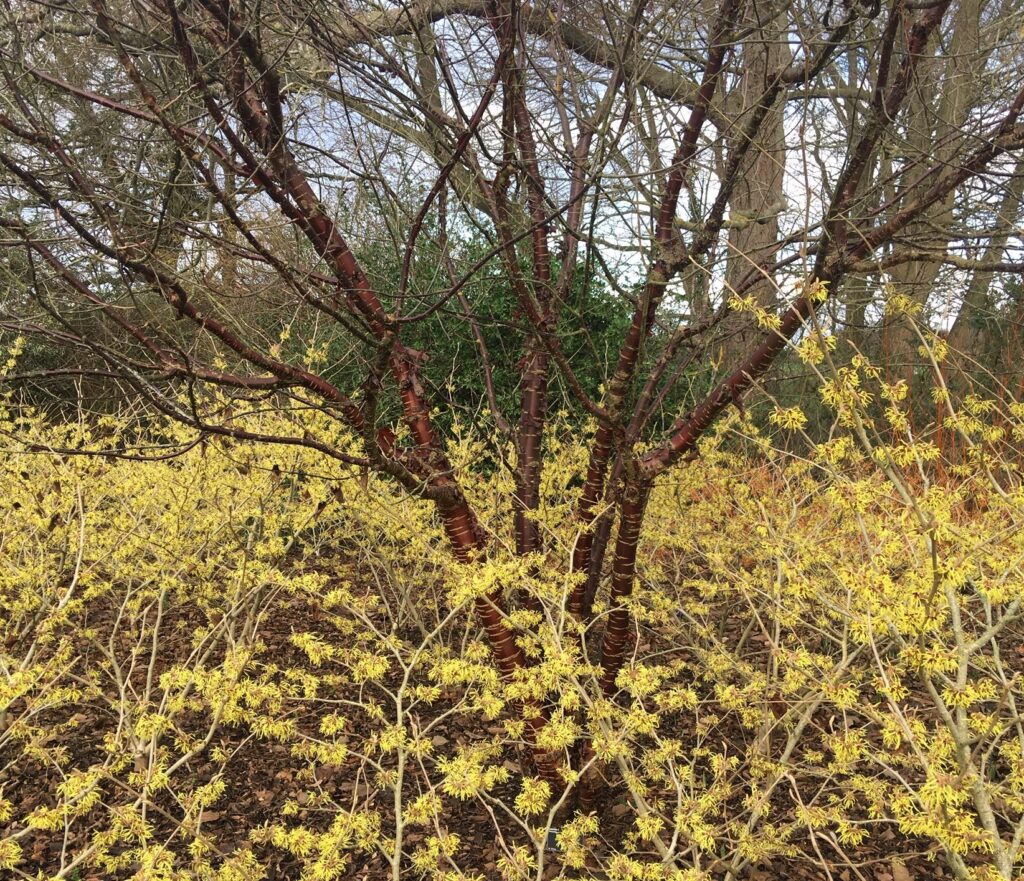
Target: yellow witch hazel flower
pixel 533 796
pixel 812 348
pixel 817 292
pixel 900 304
pixel 10 853
pixel 791 418
pixel 468 773
pixel 14 352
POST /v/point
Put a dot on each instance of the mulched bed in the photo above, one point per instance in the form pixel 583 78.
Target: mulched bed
pixel 263 776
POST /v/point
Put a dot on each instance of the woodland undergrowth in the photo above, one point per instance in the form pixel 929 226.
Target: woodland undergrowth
pixel 824 671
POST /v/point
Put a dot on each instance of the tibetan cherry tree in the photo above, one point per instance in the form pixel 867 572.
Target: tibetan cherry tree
pixel 187 185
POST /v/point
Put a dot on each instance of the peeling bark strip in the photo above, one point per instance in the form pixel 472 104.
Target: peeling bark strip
pixel 634 503
pixel 530 442
pixel 616 634
pixel 463 533
pixel 537 297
